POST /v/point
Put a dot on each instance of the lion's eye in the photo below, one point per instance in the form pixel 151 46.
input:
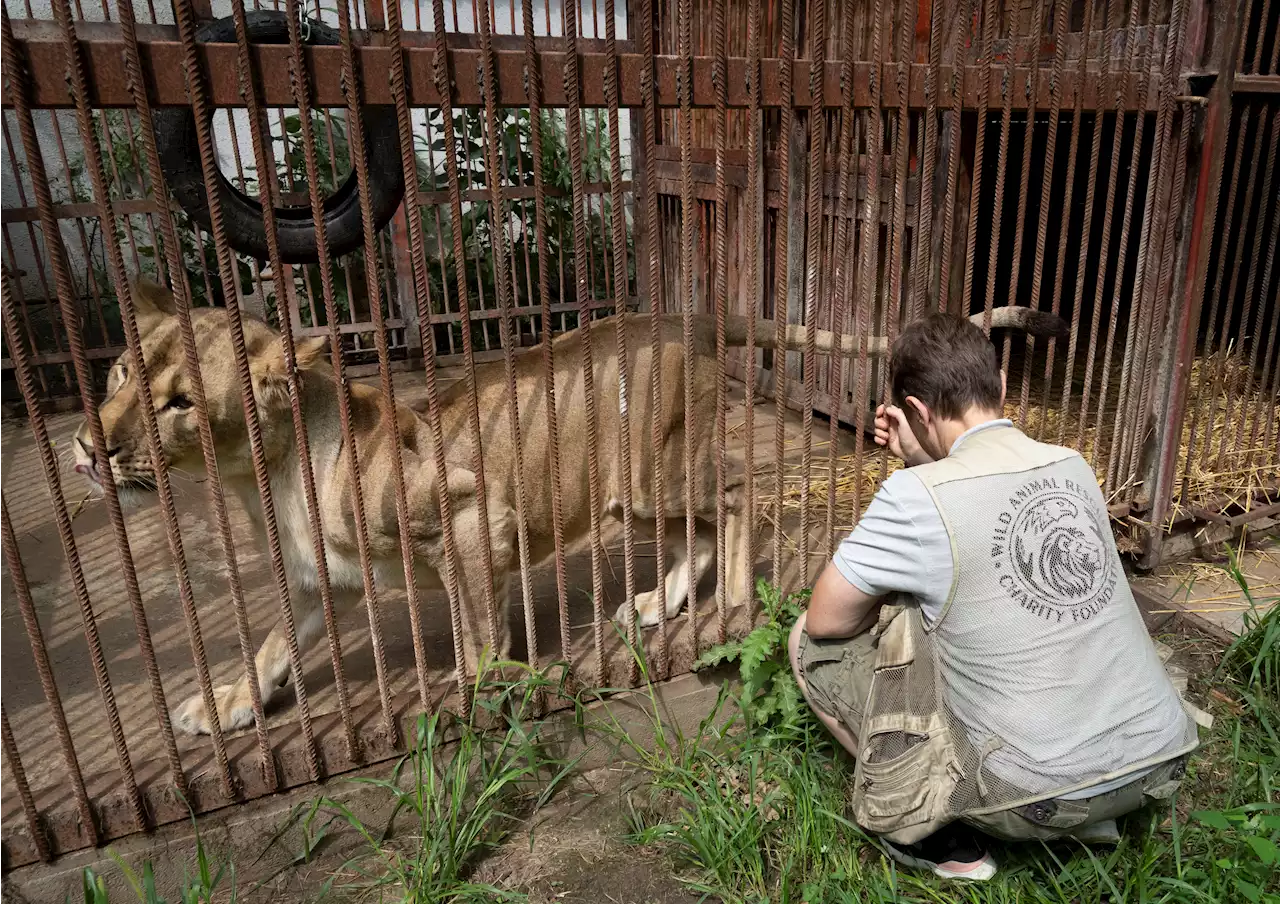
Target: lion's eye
pixel 177 403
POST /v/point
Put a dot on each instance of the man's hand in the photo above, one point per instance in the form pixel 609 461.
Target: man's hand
pixel 892 430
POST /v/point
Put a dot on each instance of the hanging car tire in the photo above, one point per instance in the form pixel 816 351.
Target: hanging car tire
pixel 179 151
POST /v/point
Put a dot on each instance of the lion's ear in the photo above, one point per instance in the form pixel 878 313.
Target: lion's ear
pixel 270 367
pixel 152 304
pixel 307 352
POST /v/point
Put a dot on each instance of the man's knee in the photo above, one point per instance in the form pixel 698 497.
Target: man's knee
pixel 793 647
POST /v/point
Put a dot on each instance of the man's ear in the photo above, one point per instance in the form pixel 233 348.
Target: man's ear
pixel 1004 387
pixel 920 410
pixel 152 304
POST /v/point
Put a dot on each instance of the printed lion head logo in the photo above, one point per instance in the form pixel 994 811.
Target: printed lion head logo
pixel 1058 552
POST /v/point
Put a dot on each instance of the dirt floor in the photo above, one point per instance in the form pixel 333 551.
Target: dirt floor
pixel 1211 595
pixel 573 851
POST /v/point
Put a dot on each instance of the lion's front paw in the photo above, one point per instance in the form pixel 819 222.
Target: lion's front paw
pixel 647 609
pixel 234 713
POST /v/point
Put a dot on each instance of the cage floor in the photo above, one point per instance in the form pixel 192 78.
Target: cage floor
pixel 46 569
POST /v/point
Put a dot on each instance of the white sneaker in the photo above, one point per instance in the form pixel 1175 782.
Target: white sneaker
pixel 950 853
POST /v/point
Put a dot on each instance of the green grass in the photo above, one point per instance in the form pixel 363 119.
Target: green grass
pixel 458 794
pixel 750 806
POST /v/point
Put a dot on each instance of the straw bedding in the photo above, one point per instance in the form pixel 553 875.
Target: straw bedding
pixel 1236 469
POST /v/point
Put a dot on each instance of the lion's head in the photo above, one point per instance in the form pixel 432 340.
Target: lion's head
pixel 172 395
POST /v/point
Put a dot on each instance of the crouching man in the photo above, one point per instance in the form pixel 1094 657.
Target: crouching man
pixel 975 642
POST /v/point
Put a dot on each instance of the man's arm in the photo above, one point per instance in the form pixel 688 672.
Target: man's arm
pixel 839 609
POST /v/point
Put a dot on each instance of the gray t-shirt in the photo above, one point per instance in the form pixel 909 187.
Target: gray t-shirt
pixel 900 545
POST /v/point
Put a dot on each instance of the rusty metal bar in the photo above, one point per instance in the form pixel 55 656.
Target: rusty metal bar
pixel 1020 218
pixel 652 221
pixel 898 229
pixel 573 128
pixel 1246 215
pixel 1095 152
pixel 979 149
pixel 390 412
pixel 93 161
pixel 422 284
pixel 40 655
pixel 1269 168
pixel 1060 14
pixel 869 262
pixel 1215 301
pixel 721 309
pixel 1153 230
pixel 192 370
pixel 1163 287
pixel 813 269
pixel 226 271
pixel 1105 458
pixel 687 238
pixel 534 69
pixel 162 57
pixel 505 289
pixel 282 276
pixel 34 826
pixel 755 228
pixel 845 233
pixel 781 238
pixel 445 75
pixel 1100 277
pixel 1002 168
pixel 929 128
pixel 1267 440
pixel 15 74
pixel 1268 360
pixel 1202 213
pixel 953 163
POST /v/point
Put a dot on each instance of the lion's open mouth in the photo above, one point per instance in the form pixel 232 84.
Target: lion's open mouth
pixel 90 471
pixel 122 483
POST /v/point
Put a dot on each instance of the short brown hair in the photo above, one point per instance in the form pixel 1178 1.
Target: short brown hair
pixel 947 363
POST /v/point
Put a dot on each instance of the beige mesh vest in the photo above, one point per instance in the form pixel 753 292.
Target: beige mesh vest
pixel 1039 678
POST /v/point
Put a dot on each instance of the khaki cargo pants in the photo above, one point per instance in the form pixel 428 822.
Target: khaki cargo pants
pixel 838 674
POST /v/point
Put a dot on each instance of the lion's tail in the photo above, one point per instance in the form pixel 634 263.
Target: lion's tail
pixel 1041 324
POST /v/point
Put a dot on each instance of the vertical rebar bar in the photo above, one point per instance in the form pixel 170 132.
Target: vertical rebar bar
pixel 185 15
pixel 781 233
pixel 504 287
pixel 813 264
pixel 444 85
pixel 979 151
pixel 34 826
pixel 1060 13
pixel 573 127
pixel 1085 234
pixel 422 283
pixel 721 291
pixel 44 669
pixel 17 77
pixel 652 222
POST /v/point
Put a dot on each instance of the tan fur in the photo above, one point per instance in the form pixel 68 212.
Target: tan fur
pixel 162 348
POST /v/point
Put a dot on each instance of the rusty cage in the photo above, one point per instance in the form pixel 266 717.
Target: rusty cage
pixel 847 166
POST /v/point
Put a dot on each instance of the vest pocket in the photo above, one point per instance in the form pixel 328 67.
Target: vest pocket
pixel 905 774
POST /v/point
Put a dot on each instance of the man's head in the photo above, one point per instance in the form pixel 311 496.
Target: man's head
pixel 945 376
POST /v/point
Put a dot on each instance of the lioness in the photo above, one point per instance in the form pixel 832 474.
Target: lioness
pixel 128 456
